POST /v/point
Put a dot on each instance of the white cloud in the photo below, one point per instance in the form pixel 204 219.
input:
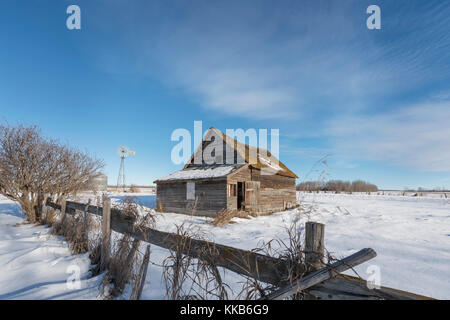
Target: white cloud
pixel 418 136
pixel 311 60
pixel 277 61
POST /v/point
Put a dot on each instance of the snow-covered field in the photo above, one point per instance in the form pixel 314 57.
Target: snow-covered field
pixel 410 234
pixel 35 264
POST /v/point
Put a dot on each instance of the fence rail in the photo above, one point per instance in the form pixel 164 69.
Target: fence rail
pixel 325 283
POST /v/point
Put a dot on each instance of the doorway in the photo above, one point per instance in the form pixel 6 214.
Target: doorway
pixel 240 196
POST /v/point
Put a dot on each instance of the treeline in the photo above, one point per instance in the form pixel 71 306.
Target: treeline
pixel 337 186
pixel 421 189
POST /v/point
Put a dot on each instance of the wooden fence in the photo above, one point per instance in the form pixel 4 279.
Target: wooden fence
pixel 324 282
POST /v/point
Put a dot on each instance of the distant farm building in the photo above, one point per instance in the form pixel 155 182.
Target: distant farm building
pixel 225 174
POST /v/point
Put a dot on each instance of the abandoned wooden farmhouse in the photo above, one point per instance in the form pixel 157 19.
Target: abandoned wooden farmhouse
pixel 225 174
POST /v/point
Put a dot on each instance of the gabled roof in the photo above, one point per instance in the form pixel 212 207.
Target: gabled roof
pixel 264 159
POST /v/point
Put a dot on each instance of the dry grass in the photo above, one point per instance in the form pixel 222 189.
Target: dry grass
pixel 188 278
pixel 224 217
pixel 159 207
pixel 139 281
pixel 125 258
pixel 290 253
pixel 95 256
pixel 122 264
pixel 122 268
pixel 74 227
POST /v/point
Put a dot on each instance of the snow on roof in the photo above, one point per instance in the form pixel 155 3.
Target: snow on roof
pixel 202 172
pixel 268 163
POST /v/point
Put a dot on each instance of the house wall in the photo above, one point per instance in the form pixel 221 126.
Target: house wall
pixel 210 197
pixel 276 192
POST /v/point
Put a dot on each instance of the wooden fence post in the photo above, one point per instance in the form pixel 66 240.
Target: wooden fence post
pixel 63 211
pixel 85 217
pixel 106 234
pixel 314 245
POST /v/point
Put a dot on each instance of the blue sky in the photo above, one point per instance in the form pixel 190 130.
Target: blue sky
pixel 376 101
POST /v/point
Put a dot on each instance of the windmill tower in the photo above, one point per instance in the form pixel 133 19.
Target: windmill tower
pixel 123 152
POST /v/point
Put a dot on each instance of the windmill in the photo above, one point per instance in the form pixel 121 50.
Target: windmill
pixel 123 152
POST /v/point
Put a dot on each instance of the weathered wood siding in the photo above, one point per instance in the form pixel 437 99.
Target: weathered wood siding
pixel 276 192
pixel 210 197
pixel 219 152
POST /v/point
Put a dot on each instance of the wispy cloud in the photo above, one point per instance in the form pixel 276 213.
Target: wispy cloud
pixel 314 61
pixel 418 136
pixel 280 60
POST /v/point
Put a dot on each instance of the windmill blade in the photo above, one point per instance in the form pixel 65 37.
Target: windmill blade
pixel 123 151
pixel 132 153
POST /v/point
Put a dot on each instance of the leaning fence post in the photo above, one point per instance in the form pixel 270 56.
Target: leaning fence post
pixel 106 234
pixel 314 245
pixel 140 281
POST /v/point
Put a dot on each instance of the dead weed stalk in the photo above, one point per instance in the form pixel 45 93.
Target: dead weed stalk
pixel 125 258
pixel 225 216
pixel 290 253
pixel 189 278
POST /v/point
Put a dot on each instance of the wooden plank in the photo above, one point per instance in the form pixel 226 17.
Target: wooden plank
pixel 323 274
pixel 210 198
pixel 251 196
pixel 345 287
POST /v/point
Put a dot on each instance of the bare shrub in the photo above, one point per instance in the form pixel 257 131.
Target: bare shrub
pixel 188 278
pixel 33 168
